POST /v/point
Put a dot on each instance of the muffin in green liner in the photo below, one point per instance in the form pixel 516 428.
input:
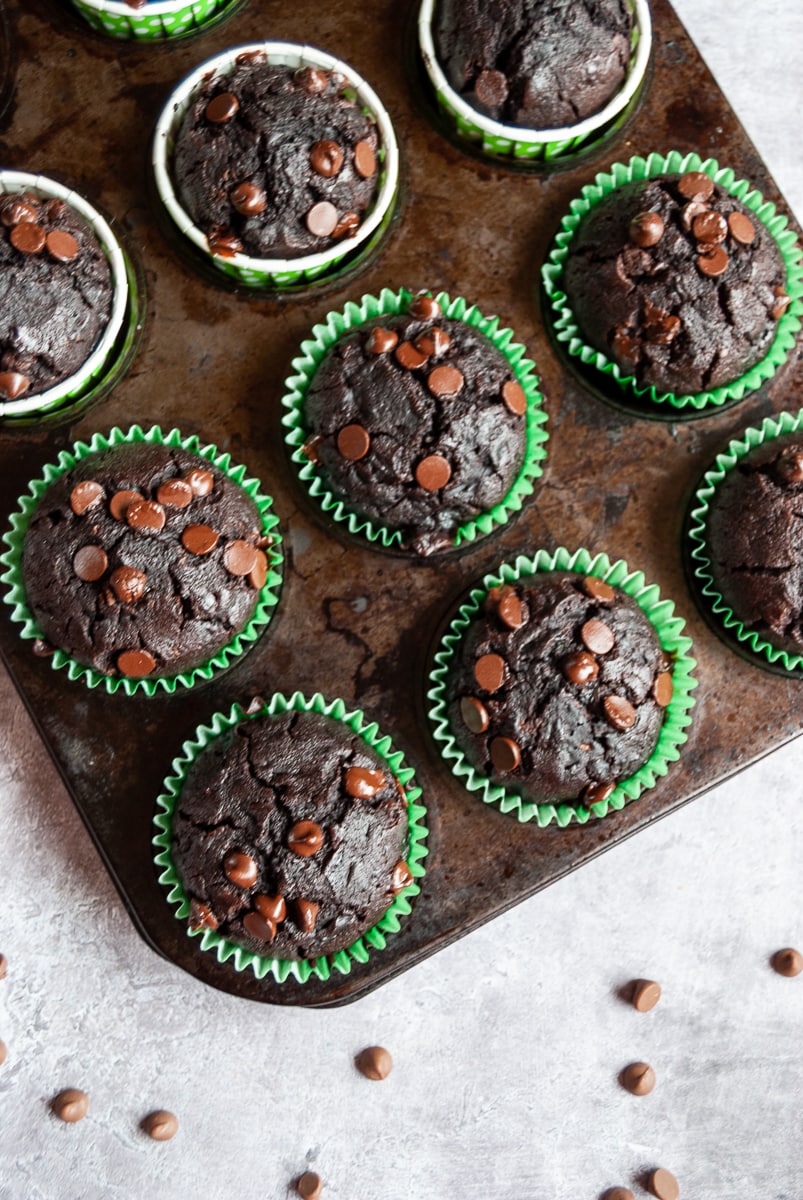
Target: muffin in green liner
pixel 568 329
pixel 754 600
pixel 671 689
pixel 332 764
pixel 153 20
pixel 222 584
pixel 415 421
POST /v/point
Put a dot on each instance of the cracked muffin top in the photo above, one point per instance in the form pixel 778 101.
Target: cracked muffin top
pixel 143 560
pixel 55 293
pixel 755 541
pixel 677 282
pixel 416 421
pixel 538 64
pixel 559 688
pixel 290 836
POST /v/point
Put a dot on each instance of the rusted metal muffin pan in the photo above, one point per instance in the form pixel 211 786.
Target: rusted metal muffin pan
pixel 353 622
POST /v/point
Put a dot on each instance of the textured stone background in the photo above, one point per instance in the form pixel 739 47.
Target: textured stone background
pixel 507 1045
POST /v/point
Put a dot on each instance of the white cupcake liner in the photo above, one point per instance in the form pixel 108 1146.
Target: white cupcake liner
pixel 157 20
pixel 498 140
pixel 15 182
pixel 275 272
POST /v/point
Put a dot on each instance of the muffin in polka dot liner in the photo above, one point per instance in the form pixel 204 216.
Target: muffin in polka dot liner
pixel 152 20
pixel 143 561
pixel 562 687
pixel 415 421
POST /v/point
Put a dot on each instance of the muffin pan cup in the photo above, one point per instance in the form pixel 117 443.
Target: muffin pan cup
pixel 156 20
pixel 568 333
pixel 375 938
pixel 14 538
pixel 677 718
pixel 389 303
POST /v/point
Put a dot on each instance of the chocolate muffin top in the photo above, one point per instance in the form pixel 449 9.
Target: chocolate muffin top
pixel 55 293
pixel 677 282
pixel 755 541
pixel 538 64
pixel 290 836
pixel 416 421
pixel 143 560
pixel 275 162
pixel 559 688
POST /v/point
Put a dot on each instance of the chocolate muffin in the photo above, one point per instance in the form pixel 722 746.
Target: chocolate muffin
pixel 559 688
pixel 677 282
pixel 55 293
pixel 143 560
pixel 755 541
pixel 416 421
pixel 537 64
pixel 290 836
pixel 275 162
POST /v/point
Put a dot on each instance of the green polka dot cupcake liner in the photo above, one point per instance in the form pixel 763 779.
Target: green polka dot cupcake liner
pixel 375 939
pixel 14 539
pixel 155 20
pixel 715 604
pixel 515 145
pixel 567 330
pixel 676 645
pixel 389 303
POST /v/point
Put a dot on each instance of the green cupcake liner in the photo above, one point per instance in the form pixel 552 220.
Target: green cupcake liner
pixel 669 628
pixel 14 539
pixel 565 326
pixel 389 303
pixel 728 460
pixel 374 938
pixel 156 21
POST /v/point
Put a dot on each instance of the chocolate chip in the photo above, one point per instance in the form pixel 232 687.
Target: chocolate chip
pixel 272 908
pixel 626 348
pixel 71 1105
pixel 424 308
pixel 474 714
pixel 662 689
pixel 410 357
pixel 363 784
pixel 364 160
pixel 742 228
pixel 118 505
pixel 646 994
pixel 310 448
pixel 17 212
pixel 491 88
pixel 224 243
pixel 199 539
pixel 240 558
pixel 222 108
pixel 326 158
pixel 489 672
pixel 619 712
pixel 312 80
pixel 662 1183
pixel 710 227
pixel 309 1186
pixel 374 1062
pixel 248 200
pixel 128 584
pixel 595 793
pixel 696 186
pixel 241 869
pixel 433 343
pixel 160 1125
pixel 61 245
pixel 598 589
pixel 508 606
pixel 690 211
pixel 353 442
pixel 401 877
pixel 597 637
pixel 136 663
pixel 28 238
pixel 306 838
pixel 54 209
pixel 638 1078
pixel 618 1193
pixel 505 754
pixel 782 302
pixel 3 966
pixel 514 397
pixel 90 563
pixel 714 263
pixel 788 962
pixel 85 495
pixel 13 384
pixel 258 575
pixel 433 473
pixel 581 667
pixel 175 493
pixel 201 916
pixel 258 927
pixel 662 329
pixel 322 219
pixel 200 481
pixel 445 381
pixel 348 223
pixel 145 514
pixel 382 340
pixel 646 229
pixel 307 915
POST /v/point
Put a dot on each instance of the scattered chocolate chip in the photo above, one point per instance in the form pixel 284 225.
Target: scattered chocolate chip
pixel 175 493
pixel 662 1183
pixel 136 664
pixel 199 539
pixel 118 505
pixel 782 302
pixel 581 667
pixel 663 688
pixel 598 589
pixel 13 384
pixel 433 343
pixel 364 160
pixel 788 962
pixel 382 340
pixel 489 672
pixel 17 212
pixel 61 245
pixel 348 223
pixel 90 563
pixel 789 465
pixel 28 238
pixel 145 514
pixel 309 1186
pixel 54 209
pixel 597 637
pixel 646 229
pixel 310 448
pixel 224 243
pixel 690 211
pixel 363 784
pixel 445 381
pixel 3 966
pixel 306 838
pixel 71 1105
pixel 619 712
pixel 710 227
pixel 646 994
pixel 3 1052
pixel 322 219
pixel 258 927
pixel 618 1193
pixel 409 357
pixel 353 442
pixel 638 1078
pixel 312 80
pixel 714 263
pixel 662 329
pixel 84 496
pixel 241 869
pixel 491 88
pixel 248 200
pixel 696 185
pixel 258 575
pixel 374 1062
pixel 626 347
pixel 240 558
pixel 508 606
pixel 200 481
pixel 326 158
pixel 424 308
pixel 307 915
pixel 741 228
pixel 595 793
pixel 505 754
pixel 160 1125
pixel 222 108
pixel 474 714
pixel 433 473
pixel 401 878
pixel 41 649
pixel 201 916
pixel 514 397
pixel 272 908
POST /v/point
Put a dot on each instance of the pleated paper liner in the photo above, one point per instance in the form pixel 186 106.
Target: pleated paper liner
pixel 389 303
pixel 374 939
pixel 568 333
pixel 156 20
pixel 677 717
pixel 14 539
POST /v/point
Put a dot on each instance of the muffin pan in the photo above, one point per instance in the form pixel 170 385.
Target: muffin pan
pixel 353 622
